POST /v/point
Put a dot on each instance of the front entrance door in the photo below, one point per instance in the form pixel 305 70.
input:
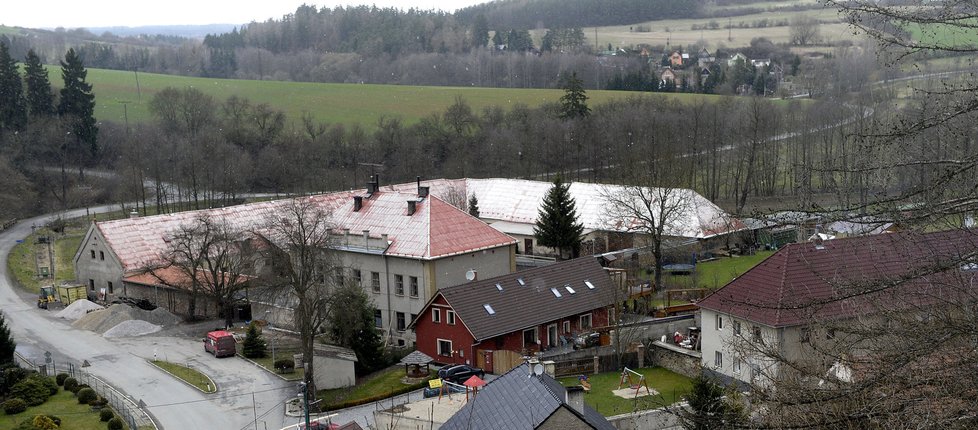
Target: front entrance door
pixel 528 246
pixel 552 335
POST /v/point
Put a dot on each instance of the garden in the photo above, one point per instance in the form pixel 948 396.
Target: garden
pixel 665 388
pixel 32 401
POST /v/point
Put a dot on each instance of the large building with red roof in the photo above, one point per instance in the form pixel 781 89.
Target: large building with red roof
pixel 799 297
pixel 400 246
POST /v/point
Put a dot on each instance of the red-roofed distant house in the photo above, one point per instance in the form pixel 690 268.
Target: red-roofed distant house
pixel 793 298
pixel 492 322
pixel 400 246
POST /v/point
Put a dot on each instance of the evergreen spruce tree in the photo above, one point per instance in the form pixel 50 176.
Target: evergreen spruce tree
pixel 480 32
pixel 474 206
pixel 557 226
pixel 7 344
pixel 77 103
pixel 351 325
pixel 40 98
pixel 254 345
pixel 573 103
pixel 13 108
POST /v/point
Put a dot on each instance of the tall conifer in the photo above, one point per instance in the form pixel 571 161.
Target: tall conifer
pixel 13 109
pixel 557 226
pixel 77 103
pixel 40 99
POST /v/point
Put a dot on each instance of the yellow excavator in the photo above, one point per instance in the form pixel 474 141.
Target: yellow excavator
pixel 46 296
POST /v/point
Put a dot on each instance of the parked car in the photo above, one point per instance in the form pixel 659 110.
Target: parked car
pixel 220 343
pixel 587 340
pixel 460 373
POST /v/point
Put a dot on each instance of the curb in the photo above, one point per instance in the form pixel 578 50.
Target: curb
pixel 211 381
pixel 266 369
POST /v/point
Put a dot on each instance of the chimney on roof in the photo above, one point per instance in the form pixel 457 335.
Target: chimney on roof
pixel 419 184
pixel 374 185
pixel 357 203
pixel 423 192
pixel 412 207
pixel 366 238
pixel 575 398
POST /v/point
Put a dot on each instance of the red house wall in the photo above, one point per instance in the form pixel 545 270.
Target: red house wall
pixel 514 341
pixel 428 332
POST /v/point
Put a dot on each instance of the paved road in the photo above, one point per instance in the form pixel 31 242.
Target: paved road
pixel 122 362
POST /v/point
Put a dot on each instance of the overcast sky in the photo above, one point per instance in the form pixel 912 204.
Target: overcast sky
pixel 133 13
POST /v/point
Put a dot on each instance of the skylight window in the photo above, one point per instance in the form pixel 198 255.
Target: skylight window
pixel 521 281
pixel 489 309
pixel 569 289
pixel 555 291
pixel 499 287
pixel 590 286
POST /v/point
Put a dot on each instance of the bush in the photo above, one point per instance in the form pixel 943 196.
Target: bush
pixel 11 376
pixel 14 406
pixel 86 395
pixel 51 384
pixel 60 379
pixel 284 365
pixel 79 387
pixel 98 403
pixel 115 424
pixel 34 390
pixel 71 384
pixel 106 415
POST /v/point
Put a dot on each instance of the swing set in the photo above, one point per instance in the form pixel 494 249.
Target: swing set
pixel 635 380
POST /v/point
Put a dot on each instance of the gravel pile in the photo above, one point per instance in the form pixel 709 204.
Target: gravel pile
pixel 132 328
pixel 101 321
pixel 78 309
pixel 160 316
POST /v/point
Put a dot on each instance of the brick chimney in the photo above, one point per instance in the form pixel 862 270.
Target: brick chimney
pixel 412 207
pixel 357 203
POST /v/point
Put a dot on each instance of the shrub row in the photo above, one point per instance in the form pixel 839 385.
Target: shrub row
pixel 371 399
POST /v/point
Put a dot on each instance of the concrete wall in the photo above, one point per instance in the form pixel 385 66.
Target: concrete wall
pixel 682 361
pixel 738 359
pixel 333 372
pixel 96 273
pixel 659 419
pixel 450 271
pixel 173 300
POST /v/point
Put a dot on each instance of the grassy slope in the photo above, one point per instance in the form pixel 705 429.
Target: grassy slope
pixel 116 93
pixel 671 387
pixel 380 383
pixel 63 405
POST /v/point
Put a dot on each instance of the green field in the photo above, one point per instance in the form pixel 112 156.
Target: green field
pixel 116 95
pixel 671 387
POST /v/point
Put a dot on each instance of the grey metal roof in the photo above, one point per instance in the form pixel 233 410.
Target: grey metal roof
pixel 519 306
pixel 416 357
pixel 516 401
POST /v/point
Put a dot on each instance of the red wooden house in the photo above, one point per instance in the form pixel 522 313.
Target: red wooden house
pixel 519 313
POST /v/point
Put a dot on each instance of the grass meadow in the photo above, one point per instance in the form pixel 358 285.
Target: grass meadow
pixel 117 96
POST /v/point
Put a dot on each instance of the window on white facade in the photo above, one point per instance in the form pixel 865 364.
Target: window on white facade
pixel 718 359
pixel 399 285
pixel 719 322
pixel 378 318
pixel 736 327
pixel 436 315
pixel 401 324
pixel 756 334
pixel 375 281
pixel 93 254
pixel 450 317
pixel 567 326
pixel 414 286
pixel 736 364
pixel 444 348
pixel 101 255
pixel 357 279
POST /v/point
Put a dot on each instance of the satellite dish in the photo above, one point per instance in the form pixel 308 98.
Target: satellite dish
pixel 471 275
pixel 538 369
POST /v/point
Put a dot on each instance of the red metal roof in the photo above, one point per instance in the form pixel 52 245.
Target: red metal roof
pixel 435 230
pixel 843 278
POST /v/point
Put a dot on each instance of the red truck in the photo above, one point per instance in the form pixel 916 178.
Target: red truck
pixel 220 343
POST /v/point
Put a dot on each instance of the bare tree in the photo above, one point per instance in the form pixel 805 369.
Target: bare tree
pixel 803 30
pixel 653 211
pixel 295 246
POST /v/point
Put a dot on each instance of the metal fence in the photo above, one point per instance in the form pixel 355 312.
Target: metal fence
pixel 127 408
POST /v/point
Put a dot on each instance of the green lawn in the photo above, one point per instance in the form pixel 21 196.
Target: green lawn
pixel 670 386
pixel 190 376
pixel 717 273
pixel 21 260
pixel 267 363
pixel 380 385
pixel 63 405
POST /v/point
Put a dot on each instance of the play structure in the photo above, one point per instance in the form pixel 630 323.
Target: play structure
pixel 635 380
pixel 585 383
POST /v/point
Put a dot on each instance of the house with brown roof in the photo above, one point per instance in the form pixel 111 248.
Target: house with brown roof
pixel 492 322
pixel 400 246
pixel 790 304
